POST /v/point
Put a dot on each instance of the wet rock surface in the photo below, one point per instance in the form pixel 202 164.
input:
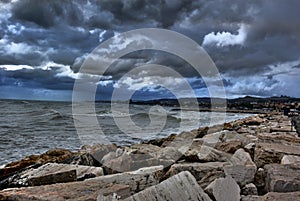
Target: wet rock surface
pixel 256 158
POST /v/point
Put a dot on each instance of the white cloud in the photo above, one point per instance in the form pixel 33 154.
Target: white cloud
pixel 222 39
pixel 15 67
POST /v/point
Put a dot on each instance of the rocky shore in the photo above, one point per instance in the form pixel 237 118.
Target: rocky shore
pixel 253 159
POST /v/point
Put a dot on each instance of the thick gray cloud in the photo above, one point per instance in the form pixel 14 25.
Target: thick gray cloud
pixel 246 39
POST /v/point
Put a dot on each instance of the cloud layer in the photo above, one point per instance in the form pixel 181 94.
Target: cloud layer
pixel 255 44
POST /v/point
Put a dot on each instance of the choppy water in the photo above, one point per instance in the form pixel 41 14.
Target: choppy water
pixel 33 127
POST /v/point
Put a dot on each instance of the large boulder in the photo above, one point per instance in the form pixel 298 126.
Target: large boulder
pixel 51 173
pixel 51 156
pixel 128 160
pixel 204 173
pixel 290 159
pixel 123 184
pixel 224 189
pixel 266 153
pixel 242 169
pixel 205 154
pixel 182 186
pixel 282 178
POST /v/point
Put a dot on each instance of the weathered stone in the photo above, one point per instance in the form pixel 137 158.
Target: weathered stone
pixel 249 189
pixel 241 157
pixel 198 170
pixel 127 183
pixel 205 154
pixel 273 196
pixel 224 189
pixel 99 150
pixel 145 149
pixel 204 173
pixel 169 153
pixel 266 153
pixel 241 174
pixel 182 139
pixel 242 169
pixel 129 161
pixel 282 178
pixel 290 159
pixel 51 173
pixel 229 147
pixel 51 156
pixel 182 186
pixel 75 191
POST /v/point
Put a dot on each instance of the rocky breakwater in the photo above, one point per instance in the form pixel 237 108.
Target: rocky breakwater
pixel 257 158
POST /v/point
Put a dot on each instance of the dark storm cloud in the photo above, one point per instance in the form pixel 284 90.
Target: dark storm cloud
pixel 38 78
pixel 34 32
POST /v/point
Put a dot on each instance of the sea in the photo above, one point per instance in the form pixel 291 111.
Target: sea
pixel 34 127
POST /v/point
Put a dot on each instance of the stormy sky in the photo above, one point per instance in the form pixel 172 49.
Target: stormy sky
pixel 255 45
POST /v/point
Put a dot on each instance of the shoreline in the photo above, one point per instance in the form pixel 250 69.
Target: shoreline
pixel 231 113
pixel 240 152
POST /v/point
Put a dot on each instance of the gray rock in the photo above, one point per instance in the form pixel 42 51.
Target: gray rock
pixel 182 186
pixel 249 189
pixel 290 159
pixel 266 153
pixel 241 157
pixel 203 172
pixel 134 158
pixel 282 178
pixel 240 173
pixel 51 173
pixel 242 169
pixel 224 189
pixel 205 154
pixel 123 185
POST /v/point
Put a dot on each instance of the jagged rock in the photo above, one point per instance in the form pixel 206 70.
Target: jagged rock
pixel 75 191
pixel 229 147
pixel 122 184
pixel 249 189
pixel 241 157
pixel 242 169
pixel 182 139
pixel 145 149
pixel 273 196
pixel 272 152
pixel 203 172
pixel 169 153
pixel 224 189
pixel 282 178
pixel 128 161
pixel 51 156
pixel 290 159
pixel 205 154
pixel 51 173
pixel 98 151
pixel 182 186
